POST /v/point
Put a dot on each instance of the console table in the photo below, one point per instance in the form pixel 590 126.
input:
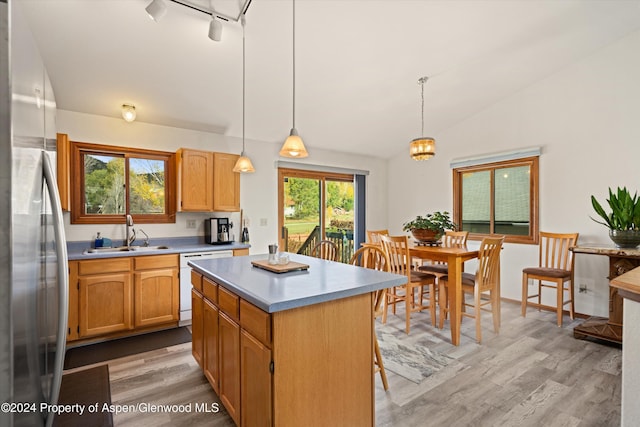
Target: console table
pixel 621 260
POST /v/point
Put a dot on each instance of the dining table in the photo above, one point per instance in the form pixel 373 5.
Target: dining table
pixel 454 256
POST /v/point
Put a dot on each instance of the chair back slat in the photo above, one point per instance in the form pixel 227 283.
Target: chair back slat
pixel 397 250
pixel 488 272
pixel 373 236
pixel 554 250
pixel 453 238
pixel 325 249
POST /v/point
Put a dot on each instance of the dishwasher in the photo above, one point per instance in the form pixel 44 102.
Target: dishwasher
pixel 185 280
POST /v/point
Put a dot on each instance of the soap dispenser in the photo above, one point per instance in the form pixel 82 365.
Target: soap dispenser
pixel 98 242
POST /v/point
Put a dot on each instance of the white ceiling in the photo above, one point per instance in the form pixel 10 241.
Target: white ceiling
pixel 357 62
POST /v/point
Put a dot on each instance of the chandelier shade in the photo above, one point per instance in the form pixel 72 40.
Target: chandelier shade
pixel 422 148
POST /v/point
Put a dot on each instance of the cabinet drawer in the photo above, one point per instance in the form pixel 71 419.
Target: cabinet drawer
pixel 155 261
pixel 100 266
pixel 256 322
pixel 210 290
pixel 196 280
pixel 228 302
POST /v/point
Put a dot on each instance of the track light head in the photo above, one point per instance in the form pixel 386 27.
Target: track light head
pixel 215 29
pixel 156 9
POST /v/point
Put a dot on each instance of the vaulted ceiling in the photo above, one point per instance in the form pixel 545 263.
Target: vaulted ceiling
pixel 357 62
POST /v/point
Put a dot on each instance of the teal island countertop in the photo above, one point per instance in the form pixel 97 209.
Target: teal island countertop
pixel 272 292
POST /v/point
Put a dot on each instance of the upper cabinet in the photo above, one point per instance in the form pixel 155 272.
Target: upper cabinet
pixel 195 180
pixel 226 183
pixel 206 181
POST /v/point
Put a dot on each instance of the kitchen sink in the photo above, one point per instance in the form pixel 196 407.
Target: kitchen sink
pixel 125 249
pixel 148 248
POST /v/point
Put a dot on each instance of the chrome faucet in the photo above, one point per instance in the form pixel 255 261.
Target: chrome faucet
pixel 130 232
pixel 146 237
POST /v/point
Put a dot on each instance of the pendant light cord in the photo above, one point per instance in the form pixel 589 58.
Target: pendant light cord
pixel 294 64
pixel 422 81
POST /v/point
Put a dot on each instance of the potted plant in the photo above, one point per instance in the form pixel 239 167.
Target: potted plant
pixel 429 228
pixel 624 220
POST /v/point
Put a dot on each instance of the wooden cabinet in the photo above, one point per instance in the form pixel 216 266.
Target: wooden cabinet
pixel 157 293
pixel 255 381
pixel 105 304
pixel 115 295
pixel 226 183
pixel 229 352
pixel 197 322
pixel 211 361
pixel 195 180
pixel 235 351
pixel 207 182
pixel 240 252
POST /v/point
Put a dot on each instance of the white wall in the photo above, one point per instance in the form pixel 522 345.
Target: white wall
pixel 258 191
pixel 586 118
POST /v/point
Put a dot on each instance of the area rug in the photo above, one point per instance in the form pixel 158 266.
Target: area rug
pixel 411 360
pixel 101 352
pixel 81 389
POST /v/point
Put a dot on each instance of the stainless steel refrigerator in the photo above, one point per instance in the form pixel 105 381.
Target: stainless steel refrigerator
pixel 33 260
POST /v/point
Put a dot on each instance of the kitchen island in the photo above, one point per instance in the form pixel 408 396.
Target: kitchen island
pixel 288 349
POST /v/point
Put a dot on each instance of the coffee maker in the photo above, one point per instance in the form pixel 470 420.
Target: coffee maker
pixel 217 231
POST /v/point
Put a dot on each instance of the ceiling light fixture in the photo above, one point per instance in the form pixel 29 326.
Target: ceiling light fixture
pixel 156 9
pixel 243 164
pixel 293 145
pixel 128 112
pixel 422 148
pixel 215 29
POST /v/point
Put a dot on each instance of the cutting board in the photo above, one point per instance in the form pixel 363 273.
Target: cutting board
pixel 280 268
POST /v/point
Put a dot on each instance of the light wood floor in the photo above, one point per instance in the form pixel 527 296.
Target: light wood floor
pixel 531 374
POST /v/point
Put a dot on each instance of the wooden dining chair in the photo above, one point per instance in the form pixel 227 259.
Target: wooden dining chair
pixel 484 285
pixel 440 269
pixel 325 249
pixel 397 249
pixel 376 259
pixel 373 236
pixel 555 269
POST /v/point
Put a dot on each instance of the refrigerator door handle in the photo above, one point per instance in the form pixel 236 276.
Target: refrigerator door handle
pixel 63 279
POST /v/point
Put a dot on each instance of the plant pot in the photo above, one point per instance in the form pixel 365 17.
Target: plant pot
pixel 425 235
pixel 625 238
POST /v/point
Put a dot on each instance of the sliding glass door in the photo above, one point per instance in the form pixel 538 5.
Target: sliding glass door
pixel 316 206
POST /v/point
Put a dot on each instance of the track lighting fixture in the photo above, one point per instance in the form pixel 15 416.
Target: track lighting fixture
pixel 156 9
pixel 215 29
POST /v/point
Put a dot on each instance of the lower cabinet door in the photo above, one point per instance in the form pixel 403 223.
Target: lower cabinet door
pixel 211 358
pixel 255 381
pixel 197 337
pixel 105 304
pixel 156 297
pixel 229 351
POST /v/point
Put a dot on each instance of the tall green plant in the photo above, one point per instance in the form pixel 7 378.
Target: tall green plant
pixel 625 210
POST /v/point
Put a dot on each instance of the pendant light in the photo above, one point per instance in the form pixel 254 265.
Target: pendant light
pixel 422 148
pixel 243 164
pixel 293 145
